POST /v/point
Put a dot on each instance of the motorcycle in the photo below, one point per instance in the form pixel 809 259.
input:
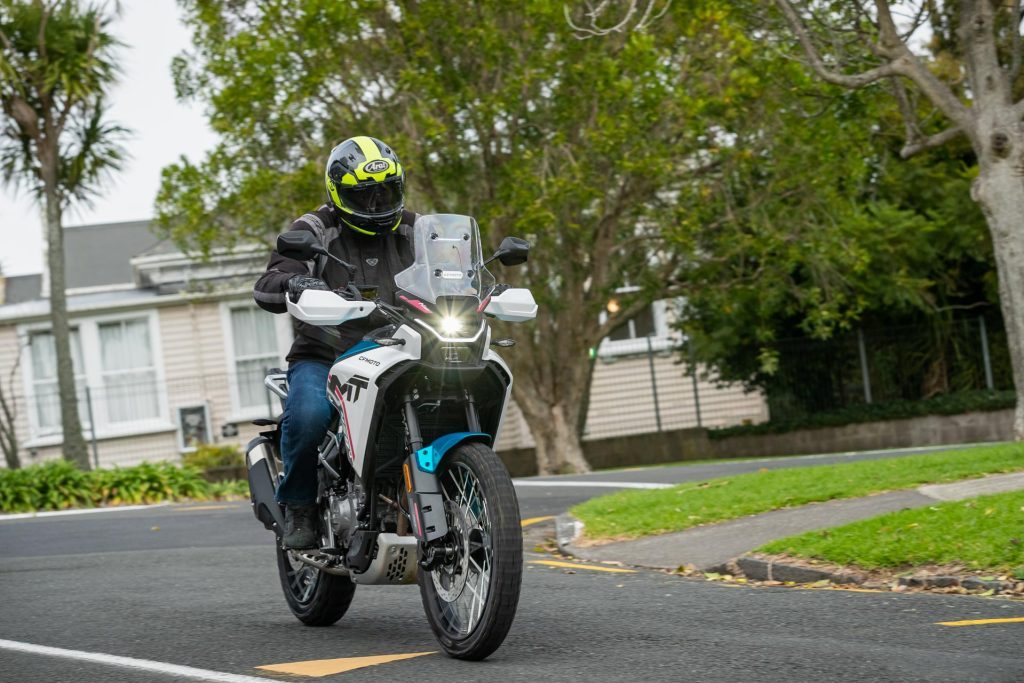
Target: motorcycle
pixel 410 489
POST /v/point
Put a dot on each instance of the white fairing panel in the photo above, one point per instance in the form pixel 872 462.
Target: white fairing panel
pixel 352 389
pixel 490 355
pixel 319 307
pixel 513 305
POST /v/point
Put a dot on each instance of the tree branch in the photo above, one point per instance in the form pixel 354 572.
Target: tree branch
pixel 902 62
pixel 1016 41
pixel 915 146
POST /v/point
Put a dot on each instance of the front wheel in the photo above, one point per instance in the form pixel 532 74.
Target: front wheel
pixel 315 597
pixel 471 601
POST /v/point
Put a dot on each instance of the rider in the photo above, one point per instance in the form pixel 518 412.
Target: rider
pixel 364 223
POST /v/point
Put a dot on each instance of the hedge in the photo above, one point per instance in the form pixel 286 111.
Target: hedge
pixel 60 485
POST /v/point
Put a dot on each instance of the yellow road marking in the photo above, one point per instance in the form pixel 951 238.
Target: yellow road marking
pixel 536 520
pixel 196 508
pixel 981 622
pixel 574 565
pixel 329 667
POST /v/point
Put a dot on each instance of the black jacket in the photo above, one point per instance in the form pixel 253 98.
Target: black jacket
pixel 377 259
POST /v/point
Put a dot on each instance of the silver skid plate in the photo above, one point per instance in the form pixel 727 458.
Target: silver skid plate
pixel 394 561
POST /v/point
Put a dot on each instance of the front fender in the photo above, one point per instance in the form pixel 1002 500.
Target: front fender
pixel 429 457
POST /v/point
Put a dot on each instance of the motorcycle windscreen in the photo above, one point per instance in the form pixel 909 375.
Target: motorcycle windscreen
pixel 448 259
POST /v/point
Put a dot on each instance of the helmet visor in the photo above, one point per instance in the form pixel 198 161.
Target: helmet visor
pixel 377 199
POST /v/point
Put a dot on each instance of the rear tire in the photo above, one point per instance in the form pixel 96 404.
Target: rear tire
pixel 490 537
pixel 315 597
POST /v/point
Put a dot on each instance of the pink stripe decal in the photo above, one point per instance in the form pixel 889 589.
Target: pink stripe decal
pixel 348 431
pixel 415 303
pixel 483 304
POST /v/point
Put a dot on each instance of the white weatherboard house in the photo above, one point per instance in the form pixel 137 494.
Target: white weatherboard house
pixel 171 351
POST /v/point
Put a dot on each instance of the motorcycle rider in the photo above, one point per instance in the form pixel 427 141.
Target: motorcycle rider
pixel 365 223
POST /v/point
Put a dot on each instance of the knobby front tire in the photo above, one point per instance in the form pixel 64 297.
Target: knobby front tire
pixel 471 603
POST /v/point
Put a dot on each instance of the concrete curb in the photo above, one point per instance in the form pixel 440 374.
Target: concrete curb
pixel 759 569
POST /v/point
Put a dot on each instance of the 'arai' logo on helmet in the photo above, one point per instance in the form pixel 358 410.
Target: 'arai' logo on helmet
pixel 377 166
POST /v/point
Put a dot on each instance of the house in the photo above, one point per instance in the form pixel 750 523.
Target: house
pixel 171 351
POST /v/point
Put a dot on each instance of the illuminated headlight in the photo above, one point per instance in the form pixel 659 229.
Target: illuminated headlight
pixel 451 327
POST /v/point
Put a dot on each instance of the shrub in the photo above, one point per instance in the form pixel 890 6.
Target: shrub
pixel 58 485
pixel 208 457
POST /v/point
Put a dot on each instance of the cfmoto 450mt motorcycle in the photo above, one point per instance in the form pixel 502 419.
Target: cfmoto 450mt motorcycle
pixel 409 486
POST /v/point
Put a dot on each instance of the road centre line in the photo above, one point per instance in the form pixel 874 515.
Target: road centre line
pixel 328 667
pixel 982 622
pixel 590 484
pixel 576 565
pixel 79 511
pixel 130 663
pixel 536 520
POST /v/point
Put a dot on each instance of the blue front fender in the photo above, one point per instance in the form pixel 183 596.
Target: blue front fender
pixel 429 457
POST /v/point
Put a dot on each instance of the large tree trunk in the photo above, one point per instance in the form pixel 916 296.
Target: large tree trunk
pixel 550 394
pixel 74 447
pixel 999 191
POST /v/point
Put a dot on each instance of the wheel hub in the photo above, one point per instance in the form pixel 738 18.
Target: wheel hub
pixel 450 578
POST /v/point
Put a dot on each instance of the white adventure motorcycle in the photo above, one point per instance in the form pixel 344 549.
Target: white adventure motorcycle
pixel 410 488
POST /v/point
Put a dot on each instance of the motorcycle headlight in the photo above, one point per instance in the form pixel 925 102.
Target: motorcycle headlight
pixel 451 326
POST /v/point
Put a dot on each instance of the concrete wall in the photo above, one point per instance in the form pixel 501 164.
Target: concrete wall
pixel 694 444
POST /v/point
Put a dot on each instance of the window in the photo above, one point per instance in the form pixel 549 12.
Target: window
pixel 117 375
pixel 645 332
pixel 44 393
pixel 255 343
pixel 128 372
pixel 641 325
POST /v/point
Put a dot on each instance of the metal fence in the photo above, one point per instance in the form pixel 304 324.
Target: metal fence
pixel 886 365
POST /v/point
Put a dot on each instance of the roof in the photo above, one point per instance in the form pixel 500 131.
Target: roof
pixel 20 288
pixel 97 255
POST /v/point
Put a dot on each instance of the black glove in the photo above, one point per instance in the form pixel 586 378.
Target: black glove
pixel 499 288
pixel 300 283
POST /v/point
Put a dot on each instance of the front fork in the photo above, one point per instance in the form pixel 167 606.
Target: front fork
pixel 422 489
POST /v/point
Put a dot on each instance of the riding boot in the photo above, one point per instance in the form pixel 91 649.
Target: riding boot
pixel 300 527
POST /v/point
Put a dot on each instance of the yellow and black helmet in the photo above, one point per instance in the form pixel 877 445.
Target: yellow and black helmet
pixel 366 184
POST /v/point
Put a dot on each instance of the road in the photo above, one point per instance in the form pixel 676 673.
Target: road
pixel 197 586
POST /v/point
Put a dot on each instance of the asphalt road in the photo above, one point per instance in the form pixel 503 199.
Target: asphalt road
pixel 197 586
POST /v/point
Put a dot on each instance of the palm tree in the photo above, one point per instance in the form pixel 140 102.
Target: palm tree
pixel 56 66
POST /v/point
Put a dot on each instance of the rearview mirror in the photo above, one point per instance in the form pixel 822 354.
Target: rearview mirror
pixel 300 245
pixel 512 251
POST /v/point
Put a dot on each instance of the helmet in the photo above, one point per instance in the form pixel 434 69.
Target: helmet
pixel 366 184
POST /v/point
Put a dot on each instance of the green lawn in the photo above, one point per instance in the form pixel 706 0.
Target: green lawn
pixel 639 513
pixel 984 533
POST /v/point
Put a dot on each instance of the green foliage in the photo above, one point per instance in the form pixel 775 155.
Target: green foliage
pixel 982 533
pixel 57 63
pixel 640 513
pixel 943 404
pixel 594 150
pixel 60 485
pixel 210 456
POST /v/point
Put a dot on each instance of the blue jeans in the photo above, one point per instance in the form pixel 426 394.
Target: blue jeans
pixel 307 415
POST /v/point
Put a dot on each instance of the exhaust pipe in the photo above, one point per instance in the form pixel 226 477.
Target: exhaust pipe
pixel 258 461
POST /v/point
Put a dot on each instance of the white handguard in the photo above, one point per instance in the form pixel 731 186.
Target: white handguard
pixel 514 305
pixel 320 307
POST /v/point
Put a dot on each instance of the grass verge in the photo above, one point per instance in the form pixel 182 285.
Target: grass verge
pixel 985 533
pixel 631 514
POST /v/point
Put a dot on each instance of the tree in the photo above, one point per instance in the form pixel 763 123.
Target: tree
pixel 593 151
pixel 968 75
pixel 57 64
pixel 972 79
